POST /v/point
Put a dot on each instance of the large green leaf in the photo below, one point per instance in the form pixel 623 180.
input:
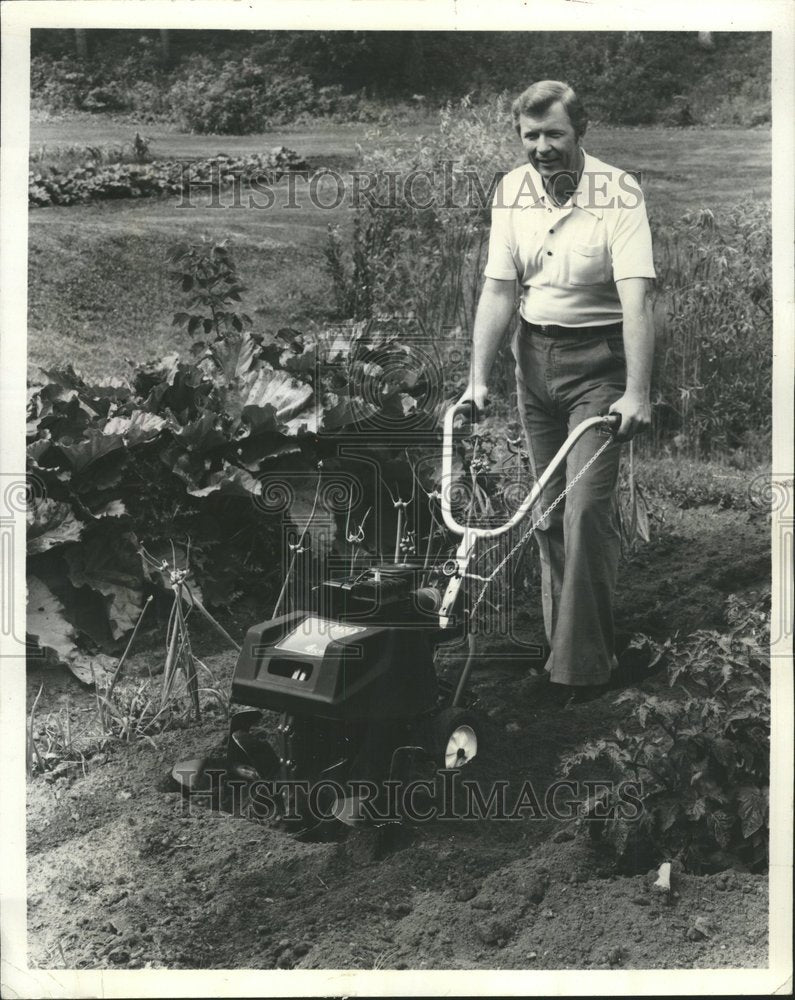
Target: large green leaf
pixel 752 808
pixel 46 622
pixel 229 480
pixel 138 428
pixel 62 413
pixel 259 420
pixel 48 628
pixel 63 378
pixel 51 523
pixel 341 411
pixel 258 450
pixel 90 448
pixel 285 394
pixel 202 434
pixel 303 364
pixel 114 571
pixel 307 422
pixel 114 508
pixel 37 449
pixel 234 355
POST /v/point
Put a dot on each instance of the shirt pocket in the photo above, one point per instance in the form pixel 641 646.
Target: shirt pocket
pixel 588 264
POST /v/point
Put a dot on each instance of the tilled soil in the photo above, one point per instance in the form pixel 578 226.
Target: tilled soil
pixel 124 874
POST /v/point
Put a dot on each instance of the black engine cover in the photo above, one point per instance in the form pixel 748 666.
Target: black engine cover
pixel 306 665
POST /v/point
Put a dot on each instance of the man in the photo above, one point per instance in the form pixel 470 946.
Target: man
pixel 575 234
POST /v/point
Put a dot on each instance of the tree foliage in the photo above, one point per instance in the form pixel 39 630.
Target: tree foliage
pixel 243 80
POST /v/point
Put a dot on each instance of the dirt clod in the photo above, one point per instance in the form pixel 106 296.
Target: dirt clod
pixel 493 931
pixel 703 927
pixel 616 956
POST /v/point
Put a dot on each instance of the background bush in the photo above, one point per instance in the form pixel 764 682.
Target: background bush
pixel 713 372
pixel 243 81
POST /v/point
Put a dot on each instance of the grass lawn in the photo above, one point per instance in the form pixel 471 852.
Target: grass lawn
pixel 98 288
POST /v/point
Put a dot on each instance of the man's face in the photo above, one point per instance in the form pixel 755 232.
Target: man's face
pixel 550 141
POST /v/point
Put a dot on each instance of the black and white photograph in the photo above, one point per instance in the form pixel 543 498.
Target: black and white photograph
pixel 397 499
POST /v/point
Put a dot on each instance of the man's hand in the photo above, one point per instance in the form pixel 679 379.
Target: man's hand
pixel 476 393
pixel 635 414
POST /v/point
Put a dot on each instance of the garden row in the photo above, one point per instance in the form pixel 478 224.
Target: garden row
pixel 47 185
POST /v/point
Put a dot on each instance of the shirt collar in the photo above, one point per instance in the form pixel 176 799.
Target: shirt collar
pixel 583 194
pixel 579 199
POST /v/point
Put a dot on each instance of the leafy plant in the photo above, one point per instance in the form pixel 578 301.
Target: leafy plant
pixel 702 755
pixel 207 274
pixel 95 179
pixel 418 246
pixel 713 370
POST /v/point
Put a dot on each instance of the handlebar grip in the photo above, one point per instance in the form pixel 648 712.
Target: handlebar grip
pixel 468 406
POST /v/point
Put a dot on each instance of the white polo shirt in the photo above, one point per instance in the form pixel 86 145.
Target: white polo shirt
pixel 568 258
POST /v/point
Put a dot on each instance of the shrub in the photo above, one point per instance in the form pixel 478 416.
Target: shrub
pixel 702 756
pixel 244 96
pixel 713 370
pixel 58 84
pixel 420 250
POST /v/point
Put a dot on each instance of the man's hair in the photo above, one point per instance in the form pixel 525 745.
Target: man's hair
pixel 539 98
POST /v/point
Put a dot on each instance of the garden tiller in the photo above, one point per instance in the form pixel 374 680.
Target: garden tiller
pixel 353 677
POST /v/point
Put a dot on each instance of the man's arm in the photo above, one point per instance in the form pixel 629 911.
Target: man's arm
pixel 635 405
pixel 494 313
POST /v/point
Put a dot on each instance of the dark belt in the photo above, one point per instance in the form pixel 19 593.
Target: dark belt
pixel 553 330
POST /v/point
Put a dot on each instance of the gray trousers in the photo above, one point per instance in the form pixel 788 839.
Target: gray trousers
pixel 561 380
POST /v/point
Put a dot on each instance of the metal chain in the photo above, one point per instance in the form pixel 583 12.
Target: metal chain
pixel 558 499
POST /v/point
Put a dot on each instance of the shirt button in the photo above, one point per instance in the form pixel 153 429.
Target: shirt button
pixel 552 230
pixel 549 253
